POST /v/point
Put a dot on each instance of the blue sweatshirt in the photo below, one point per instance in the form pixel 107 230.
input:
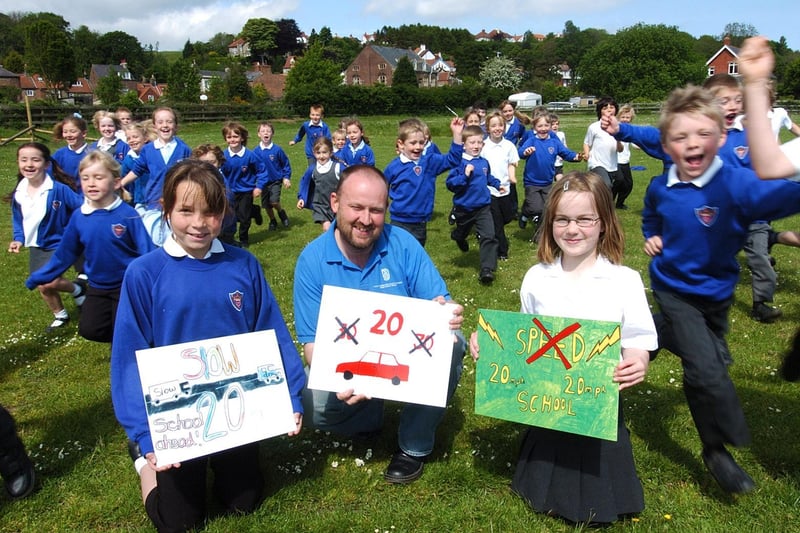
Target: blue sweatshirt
pixel 109 239
pixel 150 162
pixel 241 171
pixel 514 131
pixel 540 166
pixel 412 184
pixel 61 202
pixel 118 150
pixel 472 192
pixel 169 300
pixel 703 224
pixel 70 160
pixel 312 132
pixel 275 165
pixel 358 155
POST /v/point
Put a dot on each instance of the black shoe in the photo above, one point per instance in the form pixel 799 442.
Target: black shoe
pixel 463 245
pixel 451 218
pixel 256 215
pixel 728 474
pixel 273 225
pixel 790 369
pixel 523 221
pixel 404 468
pixel 19 476
pixel 81 297
pixel 622 206
pixel 57 324
pixel 284 218
pixel 765 313
pixel 486 276
pixel 502 258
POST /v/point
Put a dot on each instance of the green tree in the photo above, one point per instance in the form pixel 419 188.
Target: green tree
pixel 85 48
pixel 500 73
pixel 286 40
pixel 738 32
pixel 109 89
pixel 183 82
pixel 219 43
pixel 641 62
pixel 261 34
pixel 48 51
pixel 237 85
pixel 404 75
pixel 575 43
pixel 14 62
pixel 312 79
pixel 790 82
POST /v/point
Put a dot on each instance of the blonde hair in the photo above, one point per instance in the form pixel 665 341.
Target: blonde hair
pixel 689 100
pixel 409 126
pixel 104 159
pixel 611 243
pixel 627 108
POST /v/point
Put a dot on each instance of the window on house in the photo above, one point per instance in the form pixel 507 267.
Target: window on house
pixel 356 68
pixel 150 98
pixel 29 92
pixel 733 67
pixel 78 83
pixel 381 66
pixel 356 80
pixel 382 79
pixel 712 70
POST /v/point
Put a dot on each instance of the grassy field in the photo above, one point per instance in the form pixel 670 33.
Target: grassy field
pixel 58 389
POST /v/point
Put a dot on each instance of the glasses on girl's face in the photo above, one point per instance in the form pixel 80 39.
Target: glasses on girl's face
pixel 582 222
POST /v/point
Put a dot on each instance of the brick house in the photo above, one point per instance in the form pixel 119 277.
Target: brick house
pixel 376 65
pixel 239 48
pixel 262 75
pixel 726 60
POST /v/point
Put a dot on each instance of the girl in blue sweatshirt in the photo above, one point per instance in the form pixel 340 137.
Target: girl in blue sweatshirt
pixel 193 288
pixel 41 206
pixel 109 234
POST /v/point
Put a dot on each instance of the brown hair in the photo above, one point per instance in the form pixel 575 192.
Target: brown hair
pixel 207 182
pixel 75 120
pixel 235 127
pixel 612 240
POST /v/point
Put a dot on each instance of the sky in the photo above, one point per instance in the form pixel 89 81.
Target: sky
pixel 168 24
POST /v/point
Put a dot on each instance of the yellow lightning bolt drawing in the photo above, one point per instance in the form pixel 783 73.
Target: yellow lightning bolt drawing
pixel 605 342
pixel 485 326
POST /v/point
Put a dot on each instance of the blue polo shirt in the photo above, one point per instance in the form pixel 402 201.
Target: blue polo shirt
pixel 398 265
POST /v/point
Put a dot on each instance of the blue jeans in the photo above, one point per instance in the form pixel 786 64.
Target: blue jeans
pixel 417 430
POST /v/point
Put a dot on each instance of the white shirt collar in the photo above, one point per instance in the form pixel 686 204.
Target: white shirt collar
pixel 406 159
pixel 78 150
pixel 159 144
pixel 87 209
pixel 700 181
pixel 326 167
pixel 266 146
pixel 240 153
pixel 174 249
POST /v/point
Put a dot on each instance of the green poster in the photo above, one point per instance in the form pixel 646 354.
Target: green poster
pixel 551 372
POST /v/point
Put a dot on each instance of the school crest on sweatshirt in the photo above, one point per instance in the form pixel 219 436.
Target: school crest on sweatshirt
pixel 118 230
pixel 706 215
pixel 55 205
pixel 236 299
pixel 741 151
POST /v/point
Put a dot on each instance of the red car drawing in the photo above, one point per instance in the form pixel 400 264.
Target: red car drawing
pixel 375 364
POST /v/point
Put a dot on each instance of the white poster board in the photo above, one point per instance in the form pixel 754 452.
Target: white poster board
pixel 210 395
pixel 384 346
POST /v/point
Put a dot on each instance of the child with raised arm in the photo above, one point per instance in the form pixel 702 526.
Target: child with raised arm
pixel 599 148
pixel 769 159
pixel 106 231
pixel 539 152
pixel 312 129
pixel 580 274
pixel 470 182
pixel 695 221
pixel 412 175
pixel 183 292
pixel 318 182
pixel 503 159
pixel 276 173
pixel 41 206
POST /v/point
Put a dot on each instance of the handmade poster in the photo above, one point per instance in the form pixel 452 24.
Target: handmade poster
pixel 384 346
pixel 550 372
pixel 210 395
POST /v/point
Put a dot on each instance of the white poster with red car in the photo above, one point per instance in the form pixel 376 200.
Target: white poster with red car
pixel 210 395
pixel 383 346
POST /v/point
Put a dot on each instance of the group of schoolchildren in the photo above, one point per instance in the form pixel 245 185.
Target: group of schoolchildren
pixel 696 218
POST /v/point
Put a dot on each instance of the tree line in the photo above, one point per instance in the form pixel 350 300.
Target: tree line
pixel 639 63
